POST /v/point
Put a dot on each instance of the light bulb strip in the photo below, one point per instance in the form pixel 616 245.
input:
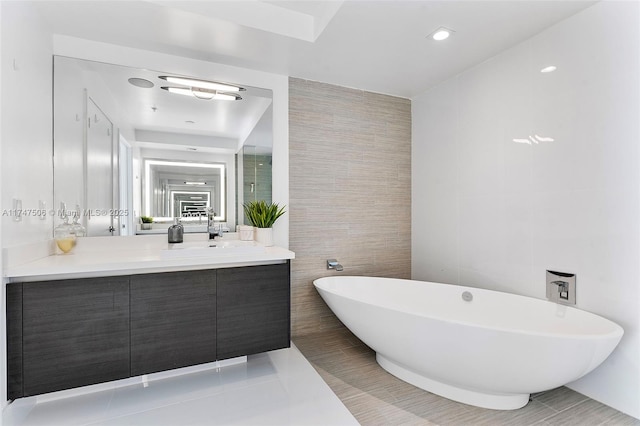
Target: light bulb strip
pixel 202 84
pixel 204 94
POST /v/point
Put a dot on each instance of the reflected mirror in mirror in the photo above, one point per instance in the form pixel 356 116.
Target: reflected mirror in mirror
pixel 125 147
pixel 256 173
pixel 184 189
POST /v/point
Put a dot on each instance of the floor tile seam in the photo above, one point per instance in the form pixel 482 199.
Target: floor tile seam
pixel 547 405
pixel 359 352
pixel 347 371
pixel 389 403
pixel 557 413
pixel 604 421
pixel 609 418
pixel 312 358
pixel 343 370
pixel 583 400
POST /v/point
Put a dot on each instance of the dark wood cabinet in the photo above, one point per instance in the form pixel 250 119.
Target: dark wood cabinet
pixel 70 333
pixel 253 310
pixel 14 340
pixel 173 320
pixel 74 333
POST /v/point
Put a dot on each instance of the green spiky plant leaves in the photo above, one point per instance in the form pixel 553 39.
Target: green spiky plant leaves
pixel 262 214
pixel 146 219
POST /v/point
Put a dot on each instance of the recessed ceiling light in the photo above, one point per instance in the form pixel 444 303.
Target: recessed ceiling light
pixel 202 84
pixel 441 33
pixel 550 68
pixel 141 82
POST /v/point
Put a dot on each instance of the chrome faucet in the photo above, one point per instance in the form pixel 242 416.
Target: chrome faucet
pixel 333 264
pixel 563 289
pixel 211 228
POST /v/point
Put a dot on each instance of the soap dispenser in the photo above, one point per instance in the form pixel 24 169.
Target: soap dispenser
pixel 63 233
pixel 176 231
pixel 77 229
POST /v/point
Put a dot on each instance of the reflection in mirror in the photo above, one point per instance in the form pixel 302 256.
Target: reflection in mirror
pixel 257 173
pixel 112 122
pixel 184 189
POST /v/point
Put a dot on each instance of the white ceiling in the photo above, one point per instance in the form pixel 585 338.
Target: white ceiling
pixel 380 46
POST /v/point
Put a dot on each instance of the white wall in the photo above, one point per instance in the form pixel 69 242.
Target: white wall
pixel 26 130
pixel 493 213
pixel 3 310
pixel 25 135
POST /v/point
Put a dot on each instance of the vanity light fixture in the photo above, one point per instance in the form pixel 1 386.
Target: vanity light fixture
pixel 202 84
pixel 544 138
pixel 202 89
pixel 441 33
pixel 550 68
pixel 205 94
pixel 535 139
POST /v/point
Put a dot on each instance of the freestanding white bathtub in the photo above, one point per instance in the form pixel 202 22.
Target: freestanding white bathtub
pixel 491 351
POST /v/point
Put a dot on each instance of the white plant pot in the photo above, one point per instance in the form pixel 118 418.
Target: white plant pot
pixel 264 236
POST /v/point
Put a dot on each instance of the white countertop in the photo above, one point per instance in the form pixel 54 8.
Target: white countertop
pixel 109 256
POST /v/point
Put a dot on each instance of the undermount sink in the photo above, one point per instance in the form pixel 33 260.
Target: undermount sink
pixel 211 248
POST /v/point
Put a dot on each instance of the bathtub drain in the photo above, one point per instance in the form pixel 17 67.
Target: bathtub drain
pixel 467 296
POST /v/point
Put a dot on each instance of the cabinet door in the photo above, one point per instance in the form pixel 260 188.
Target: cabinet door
pixel 253 310
pixel 173 320
pixel 14 340
pixel 75 333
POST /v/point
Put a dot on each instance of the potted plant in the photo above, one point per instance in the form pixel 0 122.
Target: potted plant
pixel 263 215
pixel 146 222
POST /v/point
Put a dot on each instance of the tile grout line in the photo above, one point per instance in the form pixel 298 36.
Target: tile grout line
pixel 557 412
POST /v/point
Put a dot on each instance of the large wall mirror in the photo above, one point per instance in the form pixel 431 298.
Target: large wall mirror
pixel 134 142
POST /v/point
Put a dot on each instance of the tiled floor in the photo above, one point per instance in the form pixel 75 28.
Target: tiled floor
pixel 375 397
pixel 277 388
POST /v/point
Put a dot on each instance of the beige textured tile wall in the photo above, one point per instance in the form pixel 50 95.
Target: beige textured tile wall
pixel 349 190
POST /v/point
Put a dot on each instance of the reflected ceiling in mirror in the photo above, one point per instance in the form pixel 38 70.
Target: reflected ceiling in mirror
pixel 152 109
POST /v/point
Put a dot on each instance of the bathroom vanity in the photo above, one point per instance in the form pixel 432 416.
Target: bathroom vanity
pixel 149 314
